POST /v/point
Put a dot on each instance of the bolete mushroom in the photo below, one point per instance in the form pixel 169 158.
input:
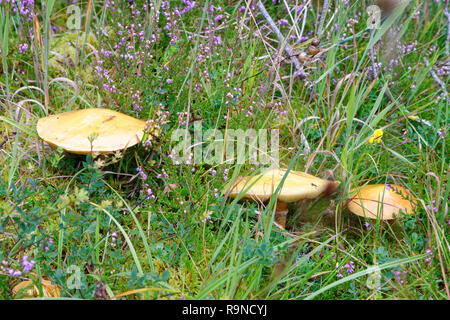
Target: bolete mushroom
pixel 381 200
pixel 297 186
pixel 30 290
pixel 73 130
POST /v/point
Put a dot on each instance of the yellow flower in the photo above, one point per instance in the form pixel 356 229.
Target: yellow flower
pixel 377 135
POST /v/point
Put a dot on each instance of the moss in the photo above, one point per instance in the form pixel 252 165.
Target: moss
pixel 180 278
pixel 64 55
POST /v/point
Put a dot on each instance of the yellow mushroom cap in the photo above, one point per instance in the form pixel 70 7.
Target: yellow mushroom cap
pixel 296 186
pixel 388 200
pixel 29 290
pixel 71 130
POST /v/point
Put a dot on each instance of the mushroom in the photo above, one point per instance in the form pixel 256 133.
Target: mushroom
pixel 389 201
pixel 73 130
pixel 30 290
pixel 297 186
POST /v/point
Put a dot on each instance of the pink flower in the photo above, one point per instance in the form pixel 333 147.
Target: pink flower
pixel 23 48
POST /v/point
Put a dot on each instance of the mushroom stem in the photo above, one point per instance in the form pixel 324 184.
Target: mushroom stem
pixel 281 213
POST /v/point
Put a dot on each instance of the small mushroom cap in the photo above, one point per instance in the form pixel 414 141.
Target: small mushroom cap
pixel 29 290
pixel 296 186
pixel 71 130
pixel 389 200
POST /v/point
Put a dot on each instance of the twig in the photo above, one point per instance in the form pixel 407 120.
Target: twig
pixel 300 72
pixel 6 140
pixel 3 143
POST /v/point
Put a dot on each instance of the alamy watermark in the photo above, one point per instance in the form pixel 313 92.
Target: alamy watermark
pixel 74 17
pixel 373 21
pixel 74 281
pixel 374 279
pixel 230 146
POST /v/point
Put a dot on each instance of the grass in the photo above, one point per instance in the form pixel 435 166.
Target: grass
pixel 90 223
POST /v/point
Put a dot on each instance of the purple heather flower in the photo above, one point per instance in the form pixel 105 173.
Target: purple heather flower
pixel 141 173
pixel 349 266
pixel 163 175
pixel 27 264
pixel 26 8
pixel 150 193
pixel 109 3
pixel 398 276
pixel 14 273
pixel 304 38
pixel 432 207
pixel 429 254
pixel 23 48
pixel 217 40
